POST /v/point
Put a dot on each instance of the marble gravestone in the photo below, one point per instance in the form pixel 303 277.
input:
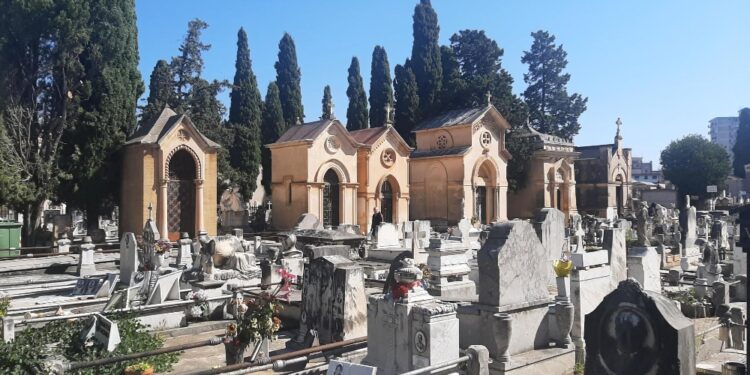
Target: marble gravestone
pixel 636 331
pixel 184 251
pixel 410 332
pixel 86 265
pixel 128 258
pixel 449 270
pixel 549 224
pixel 644 265
pixel 689 231
pixel 308 221
pixel 387 236
pixel 333 301
pixel 614 243
pixel 514 301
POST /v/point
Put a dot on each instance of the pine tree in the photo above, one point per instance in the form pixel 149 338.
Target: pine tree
pixel 245 117
pixel 273 127
pixel 288 78
pixel 425 57
pixel 188 67
pixel 381 91
pixel 107 111
pixel 407 102
pixel 160 92
pixel 327 103
pixel 356 113
pixel 741 148
pixel 551 109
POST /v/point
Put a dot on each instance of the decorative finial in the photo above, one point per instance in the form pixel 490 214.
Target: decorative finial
pixel 489 98
pixel 150 207
pixel 298 121
pixel 388 113
pixel 618 123
pixel 333 115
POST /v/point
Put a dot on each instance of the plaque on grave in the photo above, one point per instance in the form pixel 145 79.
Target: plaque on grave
pixel 86 287
pixel 635 331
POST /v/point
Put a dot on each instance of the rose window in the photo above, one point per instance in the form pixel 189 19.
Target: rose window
pixel 388 157
pixel 332 144
pixel 486 139
pixel 442 142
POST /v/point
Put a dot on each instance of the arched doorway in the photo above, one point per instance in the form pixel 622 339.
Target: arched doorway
pixel 618 194
pixel 181 212
pixel 331 205
pixel 386 201
pixel 484 190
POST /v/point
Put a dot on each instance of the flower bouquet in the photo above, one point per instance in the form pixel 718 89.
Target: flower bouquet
pixel 141 368
pixel 257 320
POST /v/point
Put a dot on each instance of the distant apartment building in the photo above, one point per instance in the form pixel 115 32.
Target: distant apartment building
pixel 644 171
pixel 723 131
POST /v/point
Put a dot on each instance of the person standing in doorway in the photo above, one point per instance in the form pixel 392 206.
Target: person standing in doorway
pixel 377 218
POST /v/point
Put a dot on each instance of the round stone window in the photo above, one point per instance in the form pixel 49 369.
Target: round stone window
pixel 332 144
pixel 486 139
pixel 388 157
pixel 442 142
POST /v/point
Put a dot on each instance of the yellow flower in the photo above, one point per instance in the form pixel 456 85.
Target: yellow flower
pixel 562 267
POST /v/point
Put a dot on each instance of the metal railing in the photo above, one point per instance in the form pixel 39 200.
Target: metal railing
pixel 439 366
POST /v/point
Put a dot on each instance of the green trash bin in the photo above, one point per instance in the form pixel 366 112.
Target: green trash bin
pixel 10 239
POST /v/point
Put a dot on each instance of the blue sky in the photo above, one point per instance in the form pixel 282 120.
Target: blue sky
pixel 664 67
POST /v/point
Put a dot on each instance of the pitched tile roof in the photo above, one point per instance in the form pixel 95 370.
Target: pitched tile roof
pixel 453 118
pixel 368 136
pixel 439 152
pixel 307 131
pixel 154 131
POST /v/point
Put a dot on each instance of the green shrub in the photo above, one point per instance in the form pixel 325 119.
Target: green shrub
pixel 32 347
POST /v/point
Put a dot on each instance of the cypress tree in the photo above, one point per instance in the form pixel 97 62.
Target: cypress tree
pixel 425 57
pixel 111 85
pixel 407 102
pixel 273 127
pixel 188 66
pixel 288 78
pixel 381 91
pixel 551 109
pixel 454 87
pixel 327 102
pixel 741 148
pixel 245 117
pixel 160 92
pixel 356 113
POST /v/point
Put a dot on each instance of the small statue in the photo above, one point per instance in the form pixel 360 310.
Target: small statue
pixel 642 230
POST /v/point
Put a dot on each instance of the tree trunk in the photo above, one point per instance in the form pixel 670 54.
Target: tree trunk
pixel 92 219
pixel 31 221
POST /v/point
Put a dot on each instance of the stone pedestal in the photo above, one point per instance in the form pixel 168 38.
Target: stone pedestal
pixel 644 266
pixel 86 265
pixel 449 270
pixel 701 287
pixel 63 244
pixel 588 288
pixel 414 332
pixel 590 258
pixel 185 252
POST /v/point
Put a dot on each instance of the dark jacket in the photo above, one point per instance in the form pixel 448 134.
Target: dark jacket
pixel 377 218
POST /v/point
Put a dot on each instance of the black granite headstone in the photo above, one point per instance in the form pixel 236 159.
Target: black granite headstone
pixel 633 331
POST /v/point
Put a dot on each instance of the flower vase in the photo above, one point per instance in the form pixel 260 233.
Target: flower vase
pixel 234 353
pixel 164 258
pixel 564 319
pixel 501 328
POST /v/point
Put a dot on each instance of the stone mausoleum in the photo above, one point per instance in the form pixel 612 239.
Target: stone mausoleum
pixel 323 169
pixel 169 167
pixel 550 181
pixel 458 169
pixel 603 177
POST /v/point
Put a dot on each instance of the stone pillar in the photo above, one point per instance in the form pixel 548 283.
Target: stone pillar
pixel 86 265
pixel 63 244
pixel 184 255
pixel 163 208
pixel 496 206
pixel 199 205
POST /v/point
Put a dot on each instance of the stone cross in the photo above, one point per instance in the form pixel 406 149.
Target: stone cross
pixel 489 97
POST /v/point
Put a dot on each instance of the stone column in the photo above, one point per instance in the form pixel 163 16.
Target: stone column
pixel 496 206
pixel 163 208
pixel 199 205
